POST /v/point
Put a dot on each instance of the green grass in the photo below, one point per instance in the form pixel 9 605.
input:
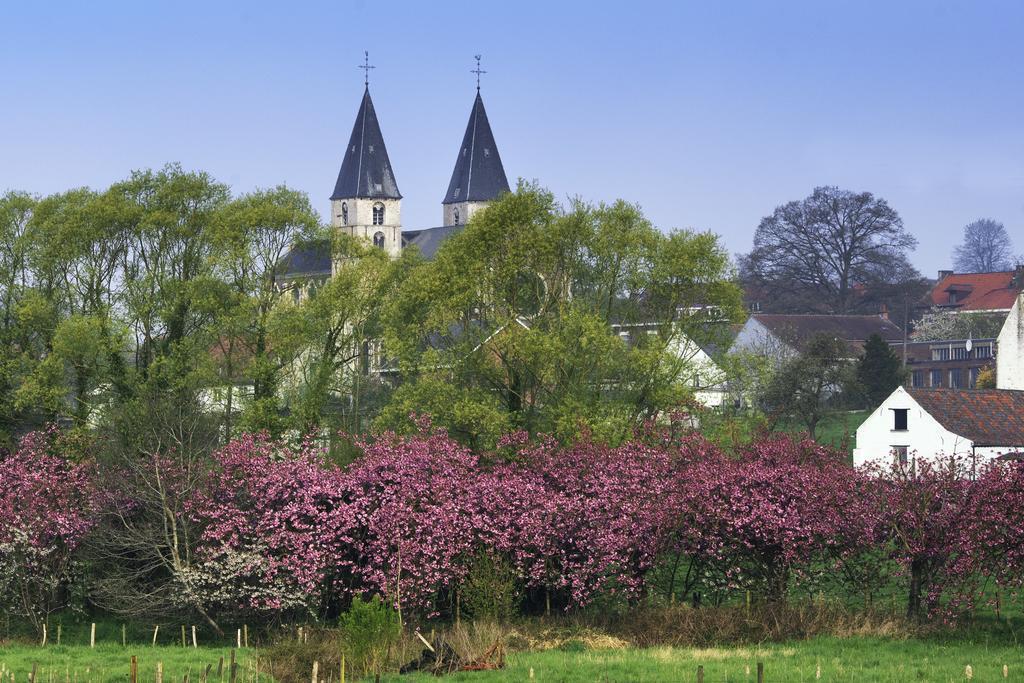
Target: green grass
pixel 834 429
pixel 849 659
pixel 110 662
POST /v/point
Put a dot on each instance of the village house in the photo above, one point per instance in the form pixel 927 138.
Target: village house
pixel 1010 349
pixel 949 363
pixel 782 336
pixel 976 292
pixel 926 423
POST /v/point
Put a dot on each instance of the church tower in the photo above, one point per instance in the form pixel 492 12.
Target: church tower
pixel 478 177
pixel 366 202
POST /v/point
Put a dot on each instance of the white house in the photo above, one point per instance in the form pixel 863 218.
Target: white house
pixel 781 336
pixel 1010 349
pixel 927 423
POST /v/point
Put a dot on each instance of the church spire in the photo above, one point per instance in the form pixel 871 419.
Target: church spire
pixel 478 175
pixel 366 170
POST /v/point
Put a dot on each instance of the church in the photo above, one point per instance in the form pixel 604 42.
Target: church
pixel 367 204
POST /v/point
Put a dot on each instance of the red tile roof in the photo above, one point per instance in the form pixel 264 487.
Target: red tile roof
pixel 978 291
pixel 988 417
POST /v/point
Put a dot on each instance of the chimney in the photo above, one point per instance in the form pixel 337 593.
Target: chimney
pixel 1018 277
pixel 944 274
pixel 883 313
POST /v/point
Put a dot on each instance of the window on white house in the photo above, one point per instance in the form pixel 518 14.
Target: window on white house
pixel 378 240
pixel 900 454
pixel 344 213
pixel 456 213
pixel 899 419
pixel 378 214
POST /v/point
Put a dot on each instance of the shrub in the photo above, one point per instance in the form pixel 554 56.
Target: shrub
pixel 491 588
pixel 370 629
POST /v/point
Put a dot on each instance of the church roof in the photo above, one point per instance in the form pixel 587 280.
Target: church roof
pixel 430 239
pixel 366 170
pixel 478 175
pixel 307 259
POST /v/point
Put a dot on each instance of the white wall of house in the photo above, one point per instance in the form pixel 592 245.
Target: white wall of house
pixel 1010 349
pixel 706 378
pixel 924 438
pixel 755 338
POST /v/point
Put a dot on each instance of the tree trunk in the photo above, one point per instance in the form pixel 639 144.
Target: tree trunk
pixel 916 583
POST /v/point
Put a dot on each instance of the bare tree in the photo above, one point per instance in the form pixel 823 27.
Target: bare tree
pixel 986 248
pixel 822 252
pixel 143 548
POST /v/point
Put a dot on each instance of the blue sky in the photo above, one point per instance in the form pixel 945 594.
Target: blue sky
pixel 707 114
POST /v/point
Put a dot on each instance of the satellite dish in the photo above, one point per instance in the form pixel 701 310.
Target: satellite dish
pixel 969 345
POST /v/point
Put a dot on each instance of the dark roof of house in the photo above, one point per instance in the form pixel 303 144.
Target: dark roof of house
pixel 304 260
pixel 978 291
pixel 797 330
pixel 478 175
pixel 988 417
pixel 366 170
pixel 430 239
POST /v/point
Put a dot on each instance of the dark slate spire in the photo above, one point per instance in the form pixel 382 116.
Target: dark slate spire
pixel 366 171
pixel 478 175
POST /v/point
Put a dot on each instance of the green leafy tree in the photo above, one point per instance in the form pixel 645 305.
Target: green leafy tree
pixel 804 385
pixel 879 371
pixel 562 320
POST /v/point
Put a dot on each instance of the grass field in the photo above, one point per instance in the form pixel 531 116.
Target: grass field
pixel 109 662
pixel 837 659
pixel 849 659
pixel 835 429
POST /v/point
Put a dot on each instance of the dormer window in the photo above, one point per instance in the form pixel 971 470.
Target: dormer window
pixel 378 240
pixel 344 213
pixel 378 214
pixel 458 191
pixel 456 216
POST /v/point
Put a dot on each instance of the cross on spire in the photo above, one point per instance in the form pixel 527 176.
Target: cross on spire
pixel 477 71
pixel 365 66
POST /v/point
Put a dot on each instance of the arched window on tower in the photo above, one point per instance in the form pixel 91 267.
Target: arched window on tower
pixel 456 215
pixel 344 213
pixel 378 214
pixel 378 240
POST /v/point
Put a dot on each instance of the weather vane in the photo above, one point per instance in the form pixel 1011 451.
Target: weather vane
pixel 365 66
pixel 477 71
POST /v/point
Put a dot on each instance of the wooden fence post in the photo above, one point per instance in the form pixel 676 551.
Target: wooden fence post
pixel 59 625
pixel 700 674
pixel 156 629
pixel 92 635
pixel 195 643
pixel 133 670
pixel 238 639
pixel 183 643
pixel 316 670
pixel 760 672
pixel 159 672
pixel 245 635
pixel 124 636
pixel 44 635
pixel 342 679
pixel 233 671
